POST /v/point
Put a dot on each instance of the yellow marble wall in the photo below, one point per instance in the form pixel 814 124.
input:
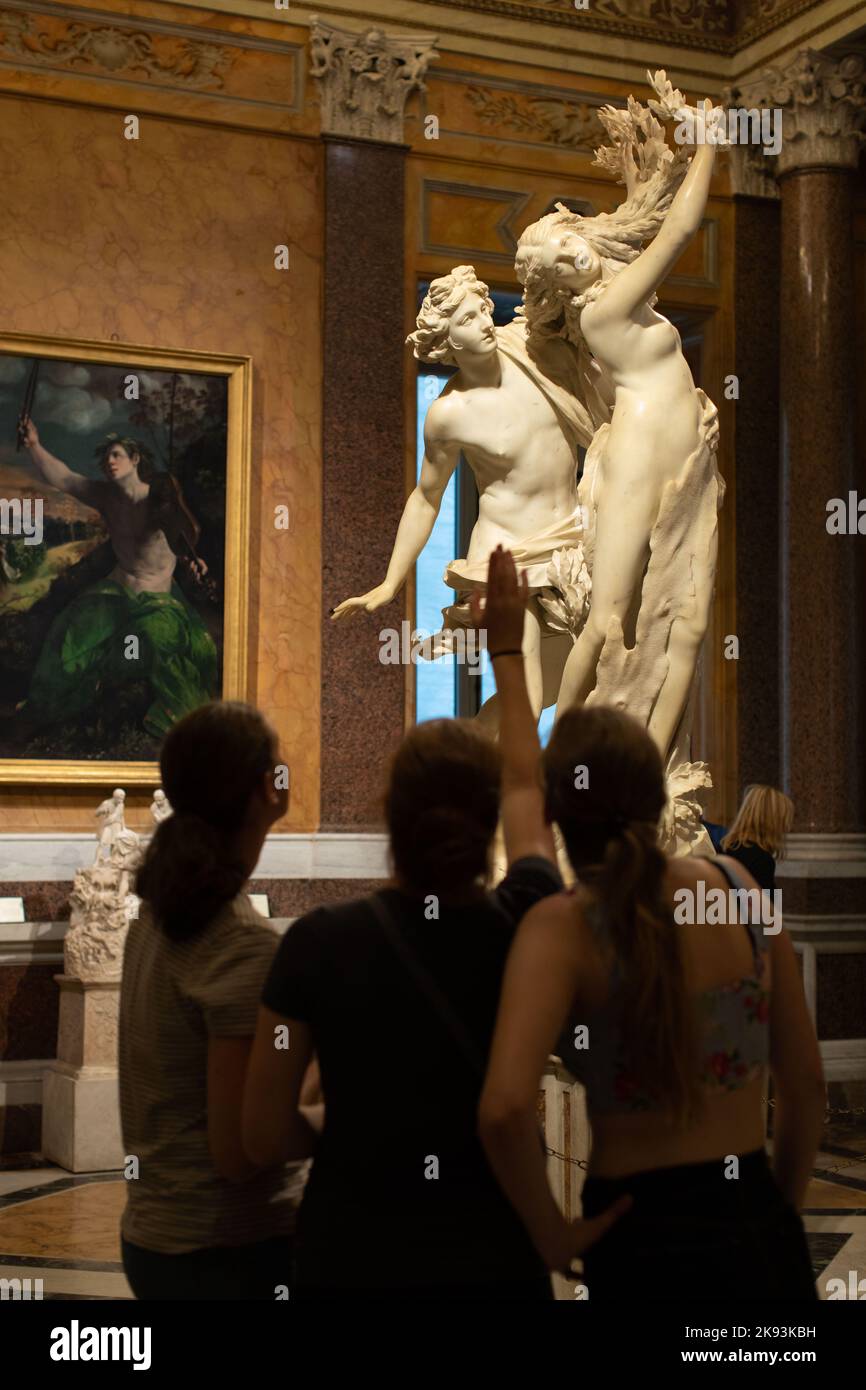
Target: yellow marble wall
pixel 169 240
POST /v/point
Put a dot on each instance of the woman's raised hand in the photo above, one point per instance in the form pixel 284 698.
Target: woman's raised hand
pixel 502 609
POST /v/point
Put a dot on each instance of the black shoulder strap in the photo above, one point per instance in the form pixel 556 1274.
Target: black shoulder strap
pixel 428 986
pixel 730 869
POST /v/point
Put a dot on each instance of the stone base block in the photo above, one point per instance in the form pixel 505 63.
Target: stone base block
pixel 81 1118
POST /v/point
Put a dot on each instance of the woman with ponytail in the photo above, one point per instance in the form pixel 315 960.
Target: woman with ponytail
pixel 397 994
pixel 202 1221
pixel 669 1017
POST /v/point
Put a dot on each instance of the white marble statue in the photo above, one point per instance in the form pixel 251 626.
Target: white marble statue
pixel 622 567
pixel 102 905
pixel 650 483
pixel 110 823
pixel 160 807
pixel 519 430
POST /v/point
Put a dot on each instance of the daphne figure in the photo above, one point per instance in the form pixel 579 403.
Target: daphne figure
pixel 650 483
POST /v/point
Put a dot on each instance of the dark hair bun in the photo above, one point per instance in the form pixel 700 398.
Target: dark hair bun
pixel 212 762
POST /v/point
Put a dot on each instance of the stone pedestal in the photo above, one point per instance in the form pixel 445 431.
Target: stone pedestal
pixel 80 1110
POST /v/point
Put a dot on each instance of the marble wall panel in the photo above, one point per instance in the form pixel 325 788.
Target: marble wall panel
pixel 147 57
pixel 20 1129
pixel 841 995
pixel 28 1011
pixel 169 240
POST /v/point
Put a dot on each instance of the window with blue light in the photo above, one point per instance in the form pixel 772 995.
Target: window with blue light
pixel 442 688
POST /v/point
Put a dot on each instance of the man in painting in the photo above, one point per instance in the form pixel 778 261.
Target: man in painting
pixel 88 650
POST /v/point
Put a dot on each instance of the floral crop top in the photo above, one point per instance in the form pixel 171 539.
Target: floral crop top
pixel 734 1017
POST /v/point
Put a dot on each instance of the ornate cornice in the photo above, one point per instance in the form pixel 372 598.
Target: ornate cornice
pixel 720 26
pixel 118 49
pixel 555 121
pixel 365 79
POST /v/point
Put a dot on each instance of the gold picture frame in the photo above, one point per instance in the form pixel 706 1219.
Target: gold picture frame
pixel 237 370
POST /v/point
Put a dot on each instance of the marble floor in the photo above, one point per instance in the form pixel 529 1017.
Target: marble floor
pixel 64 1228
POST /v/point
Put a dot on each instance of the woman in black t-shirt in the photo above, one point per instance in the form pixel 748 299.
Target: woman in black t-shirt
pixel 397 995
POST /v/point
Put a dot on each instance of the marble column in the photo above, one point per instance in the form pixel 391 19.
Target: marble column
pixel 364 81
pixel 756 451
pixel 822 752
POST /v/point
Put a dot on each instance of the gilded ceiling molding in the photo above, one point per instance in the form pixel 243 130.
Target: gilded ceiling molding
pixel 823 104
pixel 122 51
pixel 720 26
pixel 366 78
pixel 702 24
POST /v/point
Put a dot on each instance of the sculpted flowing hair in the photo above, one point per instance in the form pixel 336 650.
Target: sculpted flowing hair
pixel 442 806
pixel 764 819
pixel 610 828
pixel 444 297
pixel 553 310
pixel 638 157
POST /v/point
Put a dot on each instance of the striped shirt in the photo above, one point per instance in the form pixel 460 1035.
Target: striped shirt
pixel 175 995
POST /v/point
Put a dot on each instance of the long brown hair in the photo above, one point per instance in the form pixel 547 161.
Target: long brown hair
pixel 764 819
pixel 605 789
pixel 211 763
pixel 442 806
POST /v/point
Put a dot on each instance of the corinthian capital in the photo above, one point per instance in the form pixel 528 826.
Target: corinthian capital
pixel 823 104
pixel 364 79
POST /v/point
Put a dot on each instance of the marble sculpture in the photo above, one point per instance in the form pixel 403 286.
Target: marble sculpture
pixel 622 565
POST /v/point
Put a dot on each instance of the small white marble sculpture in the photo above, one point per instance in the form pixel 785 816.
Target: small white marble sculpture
pixel 102 905
pixel 160 807
pixel 110 818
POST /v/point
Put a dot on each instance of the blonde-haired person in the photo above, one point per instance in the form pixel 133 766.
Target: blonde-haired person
pixel 670 1027
pixel 757 836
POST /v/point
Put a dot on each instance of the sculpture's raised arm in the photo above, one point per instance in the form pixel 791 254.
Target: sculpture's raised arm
pixel 441 457
pixel 650 482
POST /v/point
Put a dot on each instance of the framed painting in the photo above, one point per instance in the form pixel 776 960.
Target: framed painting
pixel 124 551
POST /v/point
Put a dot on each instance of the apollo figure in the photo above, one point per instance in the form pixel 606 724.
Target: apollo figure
pixel 519 432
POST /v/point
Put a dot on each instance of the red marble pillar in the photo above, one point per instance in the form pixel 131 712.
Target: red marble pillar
pixel 821 700
pixel 823 879
pixel 756 424
pixel 364 486
pixel 364 80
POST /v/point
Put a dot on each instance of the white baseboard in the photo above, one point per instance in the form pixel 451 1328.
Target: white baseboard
pixel 55 857
pixel 21 1082
pixel 823 856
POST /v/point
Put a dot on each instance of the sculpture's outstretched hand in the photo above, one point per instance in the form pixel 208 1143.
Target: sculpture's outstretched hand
pixel 369 602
